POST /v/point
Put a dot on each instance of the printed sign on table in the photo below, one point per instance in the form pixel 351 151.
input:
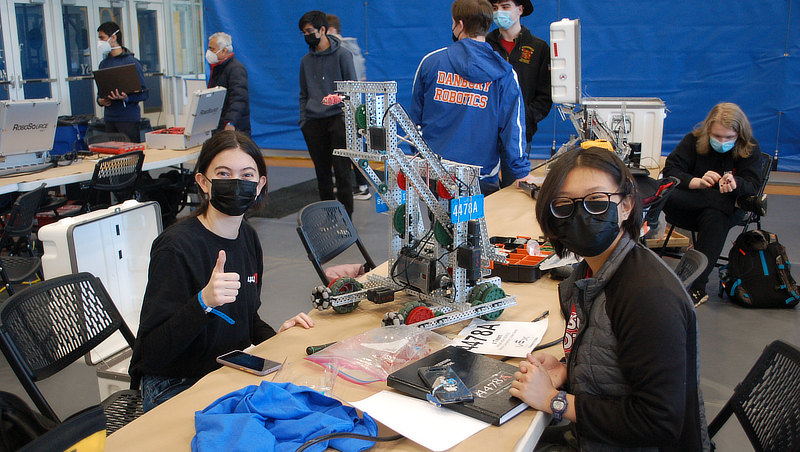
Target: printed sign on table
pixel 501 338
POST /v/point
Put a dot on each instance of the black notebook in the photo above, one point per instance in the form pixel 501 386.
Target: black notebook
pixel 488 379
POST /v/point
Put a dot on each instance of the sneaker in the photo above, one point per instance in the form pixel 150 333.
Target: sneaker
pixel 699 296
pixel 362 194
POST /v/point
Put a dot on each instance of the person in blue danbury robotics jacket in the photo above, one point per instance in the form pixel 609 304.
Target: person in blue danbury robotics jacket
pixel 466 96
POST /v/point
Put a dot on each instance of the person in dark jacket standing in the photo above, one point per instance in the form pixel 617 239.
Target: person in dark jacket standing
pixel 717 163
pixel 323 125
pixel 122 114
pixel 530 58
pixel 229 73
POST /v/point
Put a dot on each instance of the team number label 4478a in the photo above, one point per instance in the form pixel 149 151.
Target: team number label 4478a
pixel 466 208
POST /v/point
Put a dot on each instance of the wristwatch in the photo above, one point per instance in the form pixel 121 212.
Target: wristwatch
pixel 559 405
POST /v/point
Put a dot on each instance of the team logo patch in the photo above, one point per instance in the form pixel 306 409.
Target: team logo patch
pixel 253 279
pixel 527 53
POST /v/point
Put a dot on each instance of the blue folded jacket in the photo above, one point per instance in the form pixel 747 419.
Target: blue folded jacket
pixel 278 417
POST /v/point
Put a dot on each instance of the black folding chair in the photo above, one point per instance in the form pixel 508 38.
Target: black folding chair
pixel 753 216
pixel 690 266
pixel 326 231
pixel 766 401
pixel 21 263
pixel 50 325
pixel 117 175
pixel 654 193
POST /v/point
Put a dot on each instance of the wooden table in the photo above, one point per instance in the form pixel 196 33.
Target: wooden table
pixel 82 171
pixel 170 426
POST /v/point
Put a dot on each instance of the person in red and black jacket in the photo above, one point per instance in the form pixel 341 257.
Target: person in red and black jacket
pixel 530 58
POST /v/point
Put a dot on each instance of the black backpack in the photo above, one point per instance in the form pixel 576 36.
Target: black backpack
pixel 19 424
pixel 758 272
pixel 25 430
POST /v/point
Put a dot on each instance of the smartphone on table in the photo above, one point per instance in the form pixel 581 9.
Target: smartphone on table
pixel 248 363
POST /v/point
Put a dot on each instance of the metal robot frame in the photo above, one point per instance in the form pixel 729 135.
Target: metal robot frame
pixel 443 262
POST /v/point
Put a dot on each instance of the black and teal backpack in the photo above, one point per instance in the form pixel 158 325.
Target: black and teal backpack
pixel 758 274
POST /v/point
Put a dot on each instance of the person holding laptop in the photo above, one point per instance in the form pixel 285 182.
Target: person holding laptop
pixel 122 114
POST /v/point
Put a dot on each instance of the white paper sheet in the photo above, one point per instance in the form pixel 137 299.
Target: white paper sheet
pixel 501 338
pixel 437 429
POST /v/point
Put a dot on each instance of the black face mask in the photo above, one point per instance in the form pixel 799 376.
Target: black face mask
pixel 233 196
pixel 588 235
pixel 312 40
pixel 455 38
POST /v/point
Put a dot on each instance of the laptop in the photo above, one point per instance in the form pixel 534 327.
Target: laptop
pixel 125 78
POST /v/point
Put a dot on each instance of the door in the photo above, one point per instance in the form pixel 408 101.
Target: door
pixel 147 20
pixel 79 38
pixel 5 74
pixel 27 51
pixel 186 59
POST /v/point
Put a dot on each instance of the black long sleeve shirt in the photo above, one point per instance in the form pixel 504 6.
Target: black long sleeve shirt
pixel 176 337
pixel 685 163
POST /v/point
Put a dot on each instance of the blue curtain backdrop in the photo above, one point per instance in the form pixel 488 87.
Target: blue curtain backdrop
pixel 689 54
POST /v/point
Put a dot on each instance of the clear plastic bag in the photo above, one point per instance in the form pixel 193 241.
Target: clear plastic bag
pixel 370 357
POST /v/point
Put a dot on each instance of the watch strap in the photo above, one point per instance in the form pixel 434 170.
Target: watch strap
pixel 558 405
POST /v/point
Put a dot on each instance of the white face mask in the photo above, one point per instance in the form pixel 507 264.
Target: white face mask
pixel 104 47
pixel 211 57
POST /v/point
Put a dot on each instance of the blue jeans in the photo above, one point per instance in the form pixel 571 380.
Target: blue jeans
pixel 157 389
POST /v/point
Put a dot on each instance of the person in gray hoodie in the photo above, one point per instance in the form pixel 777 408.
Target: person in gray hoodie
pixel 323 125
pixel 361 187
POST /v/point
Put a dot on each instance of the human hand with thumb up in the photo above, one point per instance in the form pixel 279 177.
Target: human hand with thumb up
pixel 222 287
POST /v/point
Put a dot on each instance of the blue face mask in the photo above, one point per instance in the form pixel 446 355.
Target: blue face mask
pixel 503 19
pixel 720 146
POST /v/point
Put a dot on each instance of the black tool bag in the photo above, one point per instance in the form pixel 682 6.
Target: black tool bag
pixel 19 424
pixel 758 272
pixel 25 430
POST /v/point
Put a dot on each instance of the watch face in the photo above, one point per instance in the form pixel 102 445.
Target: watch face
pixel 558 405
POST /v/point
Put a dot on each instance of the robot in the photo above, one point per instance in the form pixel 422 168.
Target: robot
pixel 439 245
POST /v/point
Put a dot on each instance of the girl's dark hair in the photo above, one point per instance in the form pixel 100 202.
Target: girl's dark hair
pixel 224 141
pixel 593 158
